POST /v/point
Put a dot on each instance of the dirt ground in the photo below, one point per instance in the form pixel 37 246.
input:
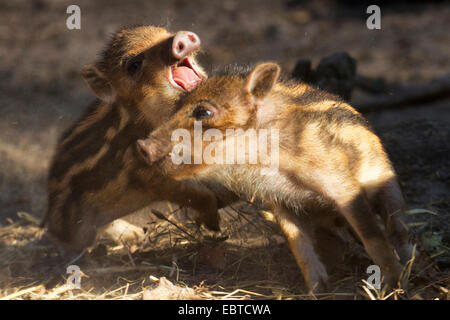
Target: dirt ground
pixel 42 93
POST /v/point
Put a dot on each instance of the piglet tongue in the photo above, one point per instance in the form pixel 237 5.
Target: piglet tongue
pixel 186 78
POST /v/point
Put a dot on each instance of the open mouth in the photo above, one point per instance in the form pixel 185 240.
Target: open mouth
pixel 185 75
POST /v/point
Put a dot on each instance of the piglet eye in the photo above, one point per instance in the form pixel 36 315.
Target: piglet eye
pixel 200 112
pixel 134 66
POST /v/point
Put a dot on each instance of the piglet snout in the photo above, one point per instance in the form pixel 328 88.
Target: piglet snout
pixel 184 43
pixel 145 150
pixel 151 150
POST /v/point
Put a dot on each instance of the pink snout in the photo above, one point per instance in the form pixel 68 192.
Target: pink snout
pixel 152 151
pixel 184 43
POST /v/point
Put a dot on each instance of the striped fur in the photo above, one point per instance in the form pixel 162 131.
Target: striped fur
pixel 96 175
pixel 329 159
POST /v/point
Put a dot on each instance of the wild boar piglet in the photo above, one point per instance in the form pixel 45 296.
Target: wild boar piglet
pixel 96 175
pixel 320 148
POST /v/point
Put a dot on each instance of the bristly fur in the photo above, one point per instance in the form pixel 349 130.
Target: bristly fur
pixel 97 174
pixel 330 164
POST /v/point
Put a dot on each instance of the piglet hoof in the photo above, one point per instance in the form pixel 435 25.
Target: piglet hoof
pixel 396 277
pixel 319 286
pixel 210 221
pixel 213 226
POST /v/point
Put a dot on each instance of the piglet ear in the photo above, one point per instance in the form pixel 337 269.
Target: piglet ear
pixel 262 78
pixel 99 83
